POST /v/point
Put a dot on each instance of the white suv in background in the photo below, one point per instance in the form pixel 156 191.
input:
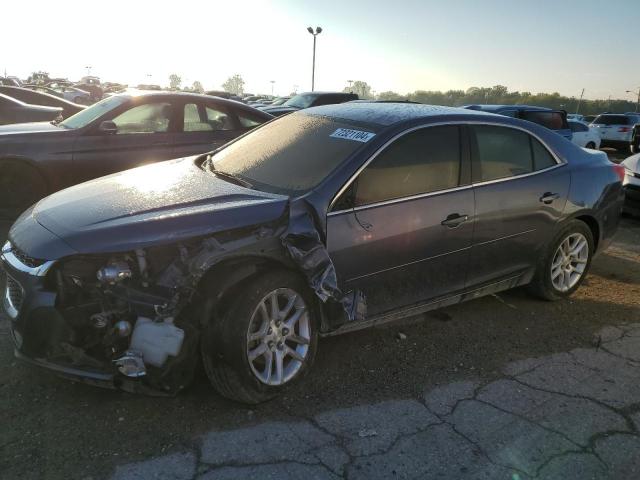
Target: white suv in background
pixel 616 129
pixel 584 135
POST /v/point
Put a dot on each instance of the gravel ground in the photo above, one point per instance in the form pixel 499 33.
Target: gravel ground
pixel 52 428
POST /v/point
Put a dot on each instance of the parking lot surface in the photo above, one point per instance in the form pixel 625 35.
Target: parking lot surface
pixel 502 387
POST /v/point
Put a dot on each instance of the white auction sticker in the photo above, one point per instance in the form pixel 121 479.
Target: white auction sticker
pixel 357 135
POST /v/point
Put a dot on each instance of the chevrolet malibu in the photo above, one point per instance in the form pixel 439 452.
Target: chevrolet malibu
pixel 322 222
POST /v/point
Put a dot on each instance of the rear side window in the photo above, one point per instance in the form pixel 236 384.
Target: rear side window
pixel 501 152
pixel 427 160
pixel 578 127
pixel 248 120
pixel 611 120
pixel 551 120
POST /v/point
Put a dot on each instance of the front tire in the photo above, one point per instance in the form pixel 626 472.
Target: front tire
pixel 565 264
pixel 591 146
pixel 265 340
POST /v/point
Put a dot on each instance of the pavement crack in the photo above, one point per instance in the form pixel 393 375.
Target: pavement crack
pixel 618 411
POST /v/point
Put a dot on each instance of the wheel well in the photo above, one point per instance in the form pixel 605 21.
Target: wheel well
pixel 592 223
pixel 219 284
pixel 31 165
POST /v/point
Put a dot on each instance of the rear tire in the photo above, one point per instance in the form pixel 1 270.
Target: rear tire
pixel 564 266
pixel 259 347
pixel 20 187
pixel 590 145
pixel 635 146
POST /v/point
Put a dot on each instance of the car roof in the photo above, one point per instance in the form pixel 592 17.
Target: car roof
pixel 134 93
pixel 496 108
pixel 387 114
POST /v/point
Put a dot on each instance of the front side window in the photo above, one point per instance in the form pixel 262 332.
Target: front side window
pixel 249 121
pixel 147 118
pixel 423 161
pixel 502 152
pixel 205 119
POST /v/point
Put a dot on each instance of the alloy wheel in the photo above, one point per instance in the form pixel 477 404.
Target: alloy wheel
pixel 278 337
pixel 569 262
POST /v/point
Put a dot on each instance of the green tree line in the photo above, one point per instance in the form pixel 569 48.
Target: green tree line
pixel 501 95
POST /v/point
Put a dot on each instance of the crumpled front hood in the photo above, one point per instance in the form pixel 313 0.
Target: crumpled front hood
pixel 150 205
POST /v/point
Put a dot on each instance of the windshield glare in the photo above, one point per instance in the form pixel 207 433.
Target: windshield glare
pixel 89 114
pixel 290 155
pixel 300 101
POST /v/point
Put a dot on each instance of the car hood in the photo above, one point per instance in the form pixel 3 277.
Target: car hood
pixel 34 127
pixel 632 163
pixel 151 205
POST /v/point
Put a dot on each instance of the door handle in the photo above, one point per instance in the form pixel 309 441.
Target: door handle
pixel 549 197
pixel 454 220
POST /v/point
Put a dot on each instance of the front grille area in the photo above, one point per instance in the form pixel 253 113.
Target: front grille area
pixel 13 297
pixel 26 259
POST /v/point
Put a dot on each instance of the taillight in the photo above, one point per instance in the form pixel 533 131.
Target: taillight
pixel 619 169
pixel 624 129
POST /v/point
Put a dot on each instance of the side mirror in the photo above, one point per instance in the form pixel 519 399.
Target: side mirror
pixel 108 127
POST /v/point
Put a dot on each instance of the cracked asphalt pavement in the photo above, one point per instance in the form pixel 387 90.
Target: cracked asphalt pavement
pixel 503 387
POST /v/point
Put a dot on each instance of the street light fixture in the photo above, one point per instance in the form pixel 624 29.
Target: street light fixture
pixel 638 102
pixel 317 32
pixel 88 70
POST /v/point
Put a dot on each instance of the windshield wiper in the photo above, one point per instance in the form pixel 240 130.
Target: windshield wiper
pixel 229 177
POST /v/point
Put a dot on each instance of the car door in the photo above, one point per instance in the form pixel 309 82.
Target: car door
pixel 520 192
pixel 145 134
pixel 401 231
pixel 204 127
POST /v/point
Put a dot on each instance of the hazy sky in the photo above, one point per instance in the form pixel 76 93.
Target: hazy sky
pixel 537 46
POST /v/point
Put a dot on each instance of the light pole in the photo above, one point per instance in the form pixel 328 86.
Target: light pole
pixel 638 103
pixel 88 70
pixel 272 82
pixel 350 83
pixel 317 32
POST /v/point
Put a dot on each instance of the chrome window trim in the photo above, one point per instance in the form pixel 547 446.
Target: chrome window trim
pixel 559 163
pixel 9 258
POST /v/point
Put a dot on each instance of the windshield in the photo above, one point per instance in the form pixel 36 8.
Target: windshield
pixel 89 114
pixel 303 100
pixel 290 155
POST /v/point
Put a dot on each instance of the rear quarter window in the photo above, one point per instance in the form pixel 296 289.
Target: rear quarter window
pixel 551 120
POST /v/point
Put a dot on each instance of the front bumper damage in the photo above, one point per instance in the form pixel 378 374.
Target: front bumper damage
pixel 54 317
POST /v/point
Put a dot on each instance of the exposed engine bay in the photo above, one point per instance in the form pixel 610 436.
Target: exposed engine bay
pixel 119 313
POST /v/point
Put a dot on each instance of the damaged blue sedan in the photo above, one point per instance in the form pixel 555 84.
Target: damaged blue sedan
pixel 321 222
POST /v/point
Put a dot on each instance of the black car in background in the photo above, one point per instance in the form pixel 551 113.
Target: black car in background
pixel 118 133
pixel 13 110
pixel 308 100
pixel 40 98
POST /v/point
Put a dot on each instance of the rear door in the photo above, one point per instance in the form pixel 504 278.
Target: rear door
pixel 520 193
pixel 204 126
pixel 145 134
pixel 401 232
